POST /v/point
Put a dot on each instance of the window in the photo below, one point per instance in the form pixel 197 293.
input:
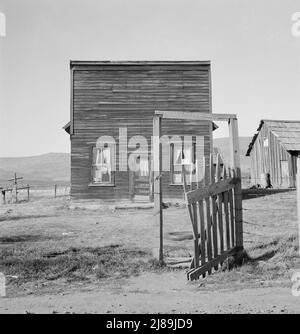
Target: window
pixel 102 165
pixel 179 157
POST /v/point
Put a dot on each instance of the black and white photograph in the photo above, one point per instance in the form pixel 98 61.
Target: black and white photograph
pixel 149 159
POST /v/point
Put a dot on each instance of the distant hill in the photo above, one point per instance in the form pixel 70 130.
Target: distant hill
pixel 223 145
pixel 45 169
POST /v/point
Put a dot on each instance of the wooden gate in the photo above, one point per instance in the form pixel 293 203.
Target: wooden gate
pixel 215 211
pixel 233 183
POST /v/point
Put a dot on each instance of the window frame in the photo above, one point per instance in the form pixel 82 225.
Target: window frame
pixel 93 183
pixel 172 165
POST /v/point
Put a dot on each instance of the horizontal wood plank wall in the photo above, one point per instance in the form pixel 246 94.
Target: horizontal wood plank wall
pixel 106 98
pixel 268 159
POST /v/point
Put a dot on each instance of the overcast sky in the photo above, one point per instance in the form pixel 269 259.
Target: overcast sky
pixel 255 58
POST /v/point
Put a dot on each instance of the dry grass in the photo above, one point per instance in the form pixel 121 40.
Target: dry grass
pixel 74 264
pixel 264 264
pixel 45 241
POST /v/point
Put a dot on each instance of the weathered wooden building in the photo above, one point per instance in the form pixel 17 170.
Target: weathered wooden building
pixel 109 96
pixel 273 152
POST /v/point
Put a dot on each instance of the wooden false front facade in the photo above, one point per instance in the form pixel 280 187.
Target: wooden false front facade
pixel 273 153
pixel 108 96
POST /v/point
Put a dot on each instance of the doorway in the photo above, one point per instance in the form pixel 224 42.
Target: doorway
pixel 140 180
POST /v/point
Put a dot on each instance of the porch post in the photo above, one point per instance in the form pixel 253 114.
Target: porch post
pixel 236 165
pixel 157 167
pixel 298 196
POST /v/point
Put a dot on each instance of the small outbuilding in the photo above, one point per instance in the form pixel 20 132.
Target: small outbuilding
pixel 273 152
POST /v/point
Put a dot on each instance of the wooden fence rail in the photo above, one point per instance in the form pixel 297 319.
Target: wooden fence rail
pixel 214 212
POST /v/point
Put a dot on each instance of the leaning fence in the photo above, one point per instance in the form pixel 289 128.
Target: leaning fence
pixel 215 211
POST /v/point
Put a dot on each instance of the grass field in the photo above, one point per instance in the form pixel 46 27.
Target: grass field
pixel 48 249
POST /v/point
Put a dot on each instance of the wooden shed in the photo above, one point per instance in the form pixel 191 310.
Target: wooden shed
pixel 273 152
pixel 109 96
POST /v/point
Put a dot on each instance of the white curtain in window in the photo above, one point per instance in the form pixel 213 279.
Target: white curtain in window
pixel 98 172
pixel 98 157
pixel 187 156
pixel 102 166
pixel 106 156
pixel 177 155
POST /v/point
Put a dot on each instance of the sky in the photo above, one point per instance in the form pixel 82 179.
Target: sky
pixel 255 58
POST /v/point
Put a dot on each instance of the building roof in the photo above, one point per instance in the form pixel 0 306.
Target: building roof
pixel 287 133
pixel 136 63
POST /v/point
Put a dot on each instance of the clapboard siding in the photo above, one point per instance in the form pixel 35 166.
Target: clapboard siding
pixel 108 97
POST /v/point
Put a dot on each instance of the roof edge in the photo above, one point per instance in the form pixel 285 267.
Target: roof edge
pixel 281 120
pixel 137 63
pixel 254 137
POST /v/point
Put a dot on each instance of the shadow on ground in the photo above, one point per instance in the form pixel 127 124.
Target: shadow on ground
pixel 255 193
pixel 13 218
pixel 22 238
pixel 286 246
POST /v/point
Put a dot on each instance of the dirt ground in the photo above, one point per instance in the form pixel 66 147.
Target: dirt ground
pixel 47 225
pixel 153 293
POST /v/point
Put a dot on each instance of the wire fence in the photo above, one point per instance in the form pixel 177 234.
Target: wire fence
pixel 22 192
pixel 55 190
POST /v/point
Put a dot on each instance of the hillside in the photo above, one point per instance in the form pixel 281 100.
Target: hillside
pixel 223 145
pixel 44 169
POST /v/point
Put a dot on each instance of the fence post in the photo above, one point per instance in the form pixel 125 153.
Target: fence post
pixel 3 194
pixel 16 193
pixel 55 187
pixel 157 167
pixel 28 192
pixel 151 196
pixel 235 163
